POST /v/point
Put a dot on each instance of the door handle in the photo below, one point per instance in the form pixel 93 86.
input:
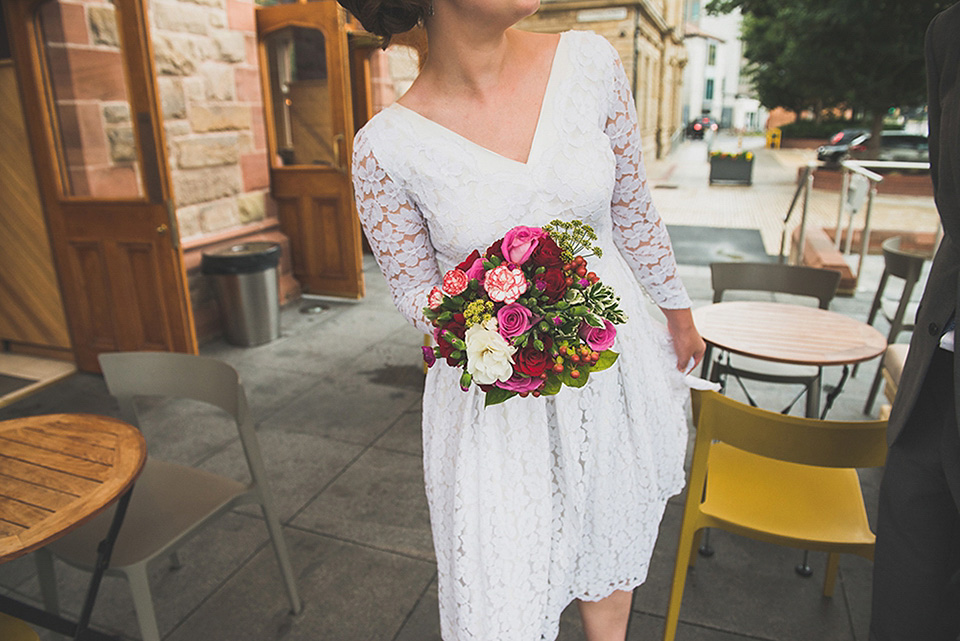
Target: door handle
pixel 337 141
pixel 162 229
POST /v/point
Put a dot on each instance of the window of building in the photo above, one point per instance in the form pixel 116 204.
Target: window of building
pixel 708 91
pixel 711 55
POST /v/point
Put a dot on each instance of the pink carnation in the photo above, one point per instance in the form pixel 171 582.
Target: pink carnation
pixel 454 282
pixel 435 298
pixel 519 243
pixel 505 285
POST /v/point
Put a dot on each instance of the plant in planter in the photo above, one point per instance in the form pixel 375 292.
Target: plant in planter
pixel 730 168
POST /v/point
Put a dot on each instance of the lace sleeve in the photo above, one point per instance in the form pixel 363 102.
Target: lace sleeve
pixel 638 230
pixel 397 234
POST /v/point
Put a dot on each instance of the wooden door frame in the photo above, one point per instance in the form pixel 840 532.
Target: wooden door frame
pixel 42 128
pixel 303 232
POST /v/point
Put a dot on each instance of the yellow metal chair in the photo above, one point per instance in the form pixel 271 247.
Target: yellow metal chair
pixel 779 479
pixel 15 630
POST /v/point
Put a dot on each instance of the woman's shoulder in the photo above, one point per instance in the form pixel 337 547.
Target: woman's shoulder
pixel 589 42
pixel 380 134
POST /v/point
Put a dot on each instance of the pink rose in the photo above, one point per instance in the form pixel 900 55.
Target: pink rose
pixel 520 384
pixel 504 285
pixel 435 298
pixel 476 270
pixel 513 320
pixel 598 339
pixel 519 243
pixel 454 282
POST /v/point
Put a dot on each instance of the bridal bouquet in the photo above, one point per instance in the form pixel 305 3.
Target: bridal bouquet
pixel 526 317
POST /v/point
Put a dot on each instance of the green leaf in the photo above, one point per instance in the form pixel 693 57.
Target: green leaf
pixel 566 379
pixel 606 360
pixel 551 386
pixel 593 320
pixel 496 396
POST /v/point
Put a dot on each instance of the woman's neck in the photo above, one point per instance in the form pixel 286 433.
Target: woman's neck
pixel 465 60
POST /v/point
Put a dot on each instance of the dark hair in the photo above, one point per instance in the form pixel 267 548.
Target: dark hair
pixel 387 18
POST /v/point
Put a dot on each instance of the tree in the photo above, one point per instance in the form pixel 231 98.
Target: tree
pixel 862 54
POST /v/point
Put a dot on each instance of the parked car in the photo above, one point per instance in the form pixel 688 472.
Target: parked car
pixel 838 146
pixel 894 145
pixel 697 128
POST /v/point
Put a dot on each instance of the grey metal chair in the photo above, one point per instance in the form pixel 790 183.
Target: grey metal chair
pixel 170 502
pixel 811 282
pixel 907 266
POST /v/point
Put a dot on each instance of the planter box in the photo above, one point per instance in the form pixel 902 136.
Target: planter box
pixel 731 171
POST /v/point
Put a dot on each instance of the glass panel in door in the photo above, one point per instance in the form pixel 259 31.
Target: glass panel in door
pixel 300 89
pixel 95 142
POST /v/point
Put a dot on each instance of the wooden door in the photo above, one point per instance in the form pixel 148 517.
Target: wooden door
pixel 90 98
pixel 304 66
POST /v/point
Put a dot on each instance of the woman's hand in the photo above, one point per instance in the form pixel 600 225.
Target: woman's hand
pixel 686 339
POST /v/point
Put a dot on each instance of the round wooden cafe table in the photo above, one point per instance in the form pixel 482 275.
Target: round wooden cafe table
pixel 56 473
pixel 59 471
pixel 787 333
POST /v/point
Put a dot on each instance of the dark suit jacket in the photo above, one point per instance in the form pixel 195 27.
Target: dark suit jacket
pixel 940 298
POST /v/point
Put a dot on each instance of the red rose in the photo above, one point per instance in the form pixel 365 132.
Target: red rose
pixel 547 253
pixel 531 361
pixel 468 262
pixel 494 250
pixel 552 283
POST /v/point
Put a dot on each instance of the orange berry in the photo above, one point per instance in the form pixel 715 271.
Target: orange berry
pixel 575 373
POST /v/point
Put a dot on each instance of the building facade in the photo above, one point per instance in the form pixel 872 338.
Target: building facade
pixel 714 84
pixel 648 34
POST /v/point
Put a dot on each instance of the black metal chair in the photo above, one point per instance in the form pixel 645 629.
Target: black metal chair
pixel 812 282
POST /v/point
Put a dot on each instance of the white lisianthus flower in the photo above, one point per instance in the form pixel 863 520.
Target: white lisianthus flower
pixel 489 355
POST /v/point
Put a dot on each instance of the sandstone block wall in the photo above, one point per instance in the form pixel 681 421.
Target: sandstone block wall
pixel 208 79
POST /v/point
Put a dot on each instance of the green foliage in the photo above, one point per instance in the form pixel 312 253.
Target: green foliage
pixel 816 54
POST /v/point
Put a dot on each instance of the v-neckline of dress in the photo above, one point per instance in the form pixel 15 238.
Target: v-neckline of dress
pixel 534 143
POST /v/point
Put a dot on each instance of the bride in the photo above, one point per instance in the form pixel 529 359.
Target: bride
pixel 535 502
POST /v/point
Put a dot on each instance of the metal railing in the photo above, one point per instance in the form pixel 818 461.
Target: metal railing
pixel 858 188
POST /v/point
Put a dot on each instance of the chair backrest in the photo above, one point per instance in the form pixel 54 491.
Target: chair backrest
pixel 806 441
pixel 185 376
pixel 200 378
pixel 772 277
pixel 902 263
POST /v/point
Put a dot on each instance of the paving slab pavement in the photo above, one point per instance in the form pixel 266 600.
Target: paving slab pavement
pixel 337 403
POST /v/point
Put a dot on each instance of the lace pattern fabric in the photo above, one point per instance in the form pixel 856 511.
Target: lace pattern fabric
pixel 537 501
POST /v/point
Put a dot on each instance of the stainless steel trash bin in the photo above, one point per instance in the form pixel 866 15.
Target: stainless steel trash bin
pixel 246 279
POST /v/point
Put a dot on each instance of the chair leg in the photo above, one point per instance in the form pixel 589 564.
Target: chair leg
pixel 830 576
pixel 283 557
pixel 684 552
pixel 48 580
pixel 143 602
pixel 874 388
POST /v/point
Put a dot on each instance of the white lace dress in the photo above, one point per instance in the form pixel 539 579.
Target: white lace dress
pixel 536 501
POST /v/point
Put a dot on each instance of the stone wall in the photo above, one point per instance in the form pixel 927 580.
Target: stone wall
pixel 82 46
pixel 208 79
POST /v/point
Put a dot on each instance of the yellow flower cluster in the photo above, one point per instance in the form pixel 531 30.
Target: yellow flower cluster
pixel 745 155
pixel 477 312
